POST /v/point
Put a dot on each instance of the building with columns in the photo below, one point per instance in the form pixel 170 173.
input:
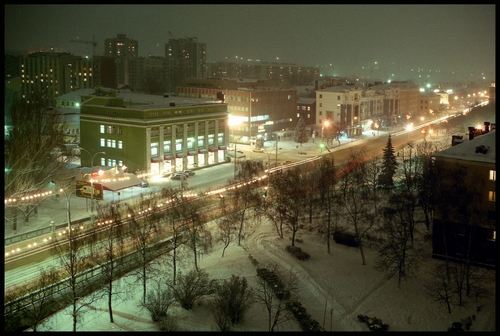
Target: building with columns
pixel 158 135
pixel 342 105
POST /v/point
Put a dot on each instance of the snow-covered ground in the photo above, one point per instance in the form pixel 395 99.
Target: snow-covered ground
pixel 335 281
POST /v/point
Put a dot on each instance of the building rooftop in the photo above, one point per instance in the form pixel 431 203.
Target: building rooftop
pixel 480 149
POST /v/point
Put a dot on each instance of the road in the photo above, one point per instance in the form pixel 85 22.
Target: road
pixel 217 177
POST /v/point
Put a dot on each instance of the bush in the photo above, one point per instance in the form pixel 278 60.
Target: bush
pixel 373 323
pixel 298 253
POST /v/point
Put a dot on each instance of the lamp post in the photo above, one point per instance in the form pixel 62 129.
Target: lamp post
pixel 232 123
pixel 68 208
pixel 322 128
pixel 92 182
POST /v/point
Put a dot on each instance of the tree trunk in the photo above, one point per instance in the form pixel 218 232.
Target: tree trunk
pixel 110 295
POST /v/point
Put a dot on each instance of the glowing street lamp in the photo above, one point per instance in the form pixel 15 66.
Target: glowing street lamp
pixel 325 124
pixel 232 122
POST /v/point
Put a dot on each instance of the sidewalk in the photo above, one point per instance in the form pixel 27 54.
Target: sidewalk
pixel 55 208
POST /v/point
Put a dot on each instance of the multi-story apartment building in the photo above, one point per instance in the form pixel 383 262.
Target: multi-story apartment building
pixel 291 73
pixel 254 113
pixel 185 58
pixel 153 134
pixel 306 109
pixel 54 74
pixel 429 103
pixel 341 105
pixel 464 218
pixel 372 110
pixel 121 46
pixel 409 95
pixel 392 113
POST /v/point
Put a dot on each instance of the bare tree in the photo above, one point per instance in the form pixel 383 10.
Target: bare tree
pixel 246 196
pixel 355 199
pixel 197 237
pixel 232 300
pixel 41 300
pixel 110 247
pixel 226 224
pixel 397 255
pixel 328 196
pixel 290 187
pixel 32 150
pixel 275 289
pixel 440 288
pixel 144 219
pixel 73 252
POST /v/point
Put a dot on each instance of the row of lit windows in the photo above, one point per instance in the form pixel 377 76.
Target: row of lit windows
pixel 111 162
pixel 111 143
pixel 110 130
pixel 304 108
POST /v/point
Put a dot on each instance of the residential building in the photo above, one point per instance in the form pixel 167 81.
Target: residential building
pixel 306 109
pixel 54 74
pixel 185 57
pixel 121 46
pixel 429 101
pixel 392 114
pixel 289 72
pixel 464 218
pixel 156 135
pixel 342 105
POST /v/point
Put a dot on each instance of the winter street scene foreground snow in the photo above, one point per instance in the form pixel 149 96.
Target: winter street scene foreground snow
pixel 334 288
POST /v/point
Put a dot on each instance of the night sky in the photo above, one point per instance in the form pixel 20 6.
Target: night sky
pixel 438 42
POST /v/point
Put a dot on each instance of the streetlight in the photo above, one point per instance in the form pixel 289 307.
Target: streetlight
pixel 232 121
pixel 322 128
pixel 68 208
pixel 92 181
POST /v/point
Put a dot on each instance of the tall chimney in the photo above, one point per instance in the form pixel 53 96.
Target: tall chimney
pixel 471 132
pixel 486 127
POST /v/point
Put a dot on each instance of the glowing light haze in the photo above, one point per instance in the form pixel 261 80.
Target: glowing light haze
pixel 453 42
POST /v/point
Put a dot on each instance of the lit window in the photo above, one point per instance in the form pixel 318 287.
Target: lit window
pixel 103 142
pixel 103 129
pixel 493 175
pixel 113 143
pixel 103 162
pixel 492 196
pixel 109 143
pixel 120 144
pixel 492 235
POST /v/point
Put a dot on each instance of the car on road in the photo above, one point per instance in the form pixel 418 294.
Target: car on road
pixel 258 150
pixel 144 184
pixel 178 176
pixel 189 172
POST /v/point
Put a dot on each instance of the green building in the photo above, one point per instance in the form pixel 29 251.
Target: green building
pixel 159 137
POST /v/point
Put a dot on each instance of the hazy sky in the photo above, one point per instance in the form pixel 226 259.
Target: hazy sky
pixel 437 40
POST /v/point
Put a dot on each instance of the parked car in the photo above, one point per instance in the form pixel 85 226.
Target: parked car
pixel 144 184
pixel 189 172
pixel 258 150
pixel 178 176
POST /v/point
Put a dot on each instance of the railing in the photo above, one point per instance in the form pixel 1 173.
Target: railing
pixel 40 232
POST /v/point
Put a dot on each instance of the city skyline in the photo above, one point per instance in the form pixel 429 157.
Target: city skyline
pixel 435 42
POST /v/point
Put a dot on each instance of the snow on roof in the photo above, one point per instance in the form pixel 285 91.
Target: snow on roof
pixel 471 150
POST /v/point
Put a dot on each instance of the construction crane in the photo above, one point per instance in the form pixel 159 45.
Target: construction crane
pixel 93 42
